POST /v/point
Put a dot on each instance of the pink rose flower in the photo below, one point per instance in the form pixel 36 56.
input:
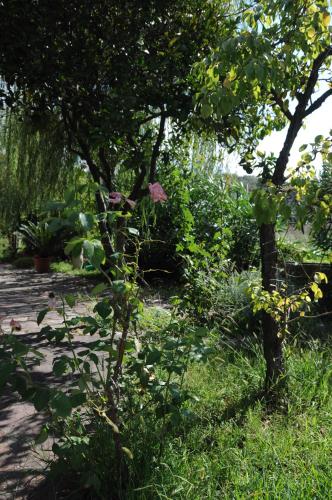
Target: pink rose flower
pixel 115 197
pixel 15 325
pixel 52 303
pixel 157 193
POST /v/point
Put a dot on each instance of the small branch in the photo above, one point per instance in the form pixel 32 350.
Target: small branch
pixel 137 190
pixel 122 345
pixel 149 118
pixel 281 104
pixel 156 148
pixel 317 104
pixel 310 317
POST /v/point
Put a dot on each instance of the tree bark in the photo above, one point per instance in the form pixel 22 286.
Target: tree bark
pixel 272 342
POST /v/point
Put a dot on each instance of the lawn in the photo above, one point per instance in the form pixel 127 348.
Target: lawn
pixel 235 448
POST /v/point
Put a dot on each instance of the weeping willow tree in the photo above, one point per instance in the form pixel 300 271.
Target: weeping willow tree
pixel 34 166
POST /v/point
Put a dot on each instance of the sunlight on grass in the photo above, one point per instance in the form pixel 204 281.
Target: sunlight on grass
pixel 66 268
pixel 235 449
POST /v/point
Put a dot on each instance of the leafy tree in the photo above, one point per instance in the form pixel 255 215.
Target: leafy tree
pixel 272 70
pixel 322 232
pixel 34 166
pixel 112 73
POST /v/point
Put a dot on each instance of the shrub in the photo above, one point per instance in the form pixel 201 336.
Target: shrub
pixel 290 252
pixel 221 300
pixel 321 233
pixel 202 209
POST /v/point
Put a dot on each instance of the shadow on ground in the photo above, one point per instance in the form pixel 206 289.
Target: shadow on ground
pixel 23 293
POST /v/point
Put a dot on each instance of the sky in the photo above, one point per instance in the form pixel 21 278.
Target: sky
pixel 319 122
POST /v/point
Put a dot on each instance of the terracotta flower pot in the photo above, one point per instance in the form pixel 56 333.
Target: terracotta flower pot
pixel 42 264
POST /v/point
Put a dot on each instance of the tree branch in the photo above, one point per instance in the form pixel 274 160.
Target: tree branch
pixel 149 118
pixel 281 104
pixel 156 148
pixel 314 74
pixel 137 189
pixel 108 171
pixel 317 104
pixel 298 116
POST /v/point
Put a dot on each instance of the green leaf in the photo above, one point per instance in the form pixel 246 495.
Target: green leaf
pixel 153 357
pixel 60 366
pixel 326 19
pixel 41 315
pixel 42 436
pixel 89 249
pixel 133 230
pixel 41 399
pixel 206 110
pixel 103 308
pixel 94 251
pixel 100 288
pixel 119 286
pixel 74 247
pixel 61 404
pixel 87 221
pixel 307 157
pixel 70 300
pixel 77 399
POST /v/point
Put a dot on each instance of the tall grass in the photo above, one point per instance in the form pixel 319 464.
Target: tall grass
pixel 235 449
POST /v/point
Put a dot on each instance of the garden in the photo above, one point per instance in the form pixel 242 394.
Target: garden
pixel 165 283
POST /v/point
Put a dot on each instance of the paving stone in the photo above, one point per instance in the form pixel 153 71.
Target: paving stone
pixel 23 293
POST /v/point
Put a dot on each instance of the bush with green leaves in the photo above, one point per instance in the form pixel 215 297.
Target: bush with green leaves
pixel 289 251
pixel 219 298
pixel 205 210
pixel 322 228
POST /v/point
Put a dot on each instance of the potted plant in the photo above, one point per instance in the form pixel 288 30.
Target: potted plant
pixel 39 237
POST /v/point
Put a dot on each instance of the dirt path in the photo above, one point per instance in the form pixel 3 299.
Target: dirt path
pixel 23 293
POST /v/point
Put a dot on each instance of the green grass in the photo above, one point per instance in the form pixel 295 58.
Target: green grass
pixel 3 247
pixel 153 319
pixel 301 244
pixel 235 449
pixel 66 268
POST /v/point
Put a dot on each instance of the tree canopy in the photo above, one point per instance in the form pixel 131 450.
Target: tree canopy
pixel 108 70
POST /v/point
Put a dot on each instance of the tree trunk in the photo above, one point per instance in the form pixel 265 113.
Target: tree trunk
pixel 272 343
